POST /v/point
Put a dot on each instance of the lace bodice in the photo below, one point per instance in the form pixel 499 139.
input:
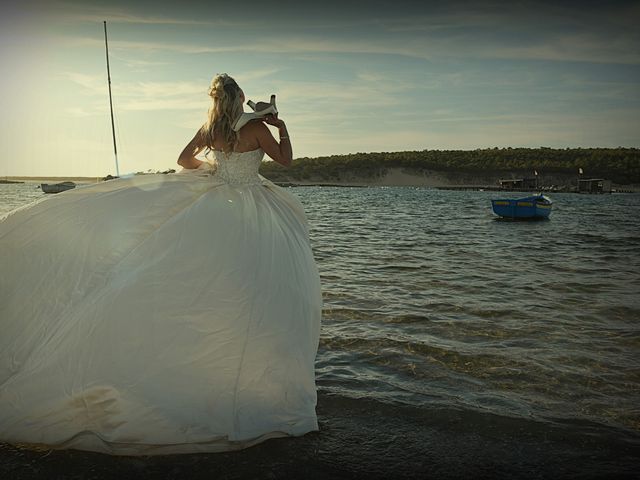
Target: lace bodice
pixel 239 167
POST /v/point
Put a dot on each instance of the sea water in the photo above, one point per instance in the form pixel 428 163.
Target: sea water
pixel 432 303
pixel 430 300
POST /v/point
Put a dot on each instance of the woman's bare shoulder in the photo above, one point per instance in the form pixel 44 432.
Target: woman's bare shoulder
pixel 251 134
pixel 255 127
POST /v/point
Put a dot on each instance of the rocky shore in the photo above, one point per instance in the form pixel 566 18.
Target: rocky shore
pixel 398 177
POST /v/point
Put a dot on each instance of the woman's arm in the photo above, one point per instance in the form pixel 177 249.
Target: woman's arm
pixel 280 152
pixel 187 158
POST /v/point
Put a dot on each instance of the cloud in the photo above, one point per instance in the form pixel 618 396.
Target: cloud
pixel 576 47
pixel 137 96
pixel 162 89
pixel 150 96
pixel 152 104
pixel 69 12
pixel 96 84
pixel 524 30
pixel 138 64
pixel 258 74
pixel 84 112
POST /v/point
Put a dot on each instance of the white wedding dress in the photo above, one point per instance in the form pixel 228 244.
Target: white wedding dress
pixel 159 314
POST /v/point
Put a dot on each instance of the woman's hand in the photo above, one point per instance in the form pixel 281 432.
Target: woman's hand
pixel 272 119
pixel 279 124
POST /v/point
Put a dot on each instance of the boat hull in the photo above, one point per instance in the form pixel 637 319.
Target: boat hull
pixel 57 187
pixel 536 207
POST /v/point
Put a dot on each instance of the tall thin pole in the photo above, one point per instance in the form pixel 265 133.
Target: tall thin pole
pixel 113 128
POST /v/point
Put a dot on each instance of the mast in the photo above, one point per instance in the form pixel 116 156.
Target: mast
pixel 113 128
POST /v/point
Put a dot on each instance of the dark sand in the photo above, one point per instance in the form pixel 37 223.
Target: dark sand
pixel 369 440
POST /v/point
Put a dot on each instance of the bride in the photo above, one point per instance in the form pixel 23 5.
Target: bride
pixel 163 313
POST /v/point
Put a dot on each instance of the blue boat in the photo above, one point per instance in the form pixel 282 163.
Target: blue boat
pixel 534 207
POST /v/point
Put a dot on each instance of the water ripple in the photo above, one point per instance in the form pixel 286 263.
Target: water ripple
pixel 429 300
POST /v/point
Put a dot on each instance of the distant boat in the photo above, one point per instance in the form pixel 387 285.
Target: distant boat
pixel 537 206
pixel 57 187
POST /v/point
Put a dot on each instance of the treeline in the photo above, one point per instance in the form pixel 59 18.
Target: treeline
pixel 621 165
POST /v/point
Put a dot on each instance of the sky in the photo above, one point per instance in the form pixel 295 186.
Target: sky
pixel 349 76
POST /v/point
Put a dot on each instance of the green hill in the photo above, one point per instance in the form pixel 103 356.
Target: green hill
pixel 621 165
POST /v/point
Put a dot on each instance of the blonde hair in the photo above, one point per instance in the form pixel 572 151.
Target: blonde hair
pixel 224 111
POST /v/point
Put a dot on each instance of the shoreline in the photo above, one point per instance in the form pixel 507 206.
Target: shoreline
pixel 365 439
pixel 391 179
pixel 10 179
